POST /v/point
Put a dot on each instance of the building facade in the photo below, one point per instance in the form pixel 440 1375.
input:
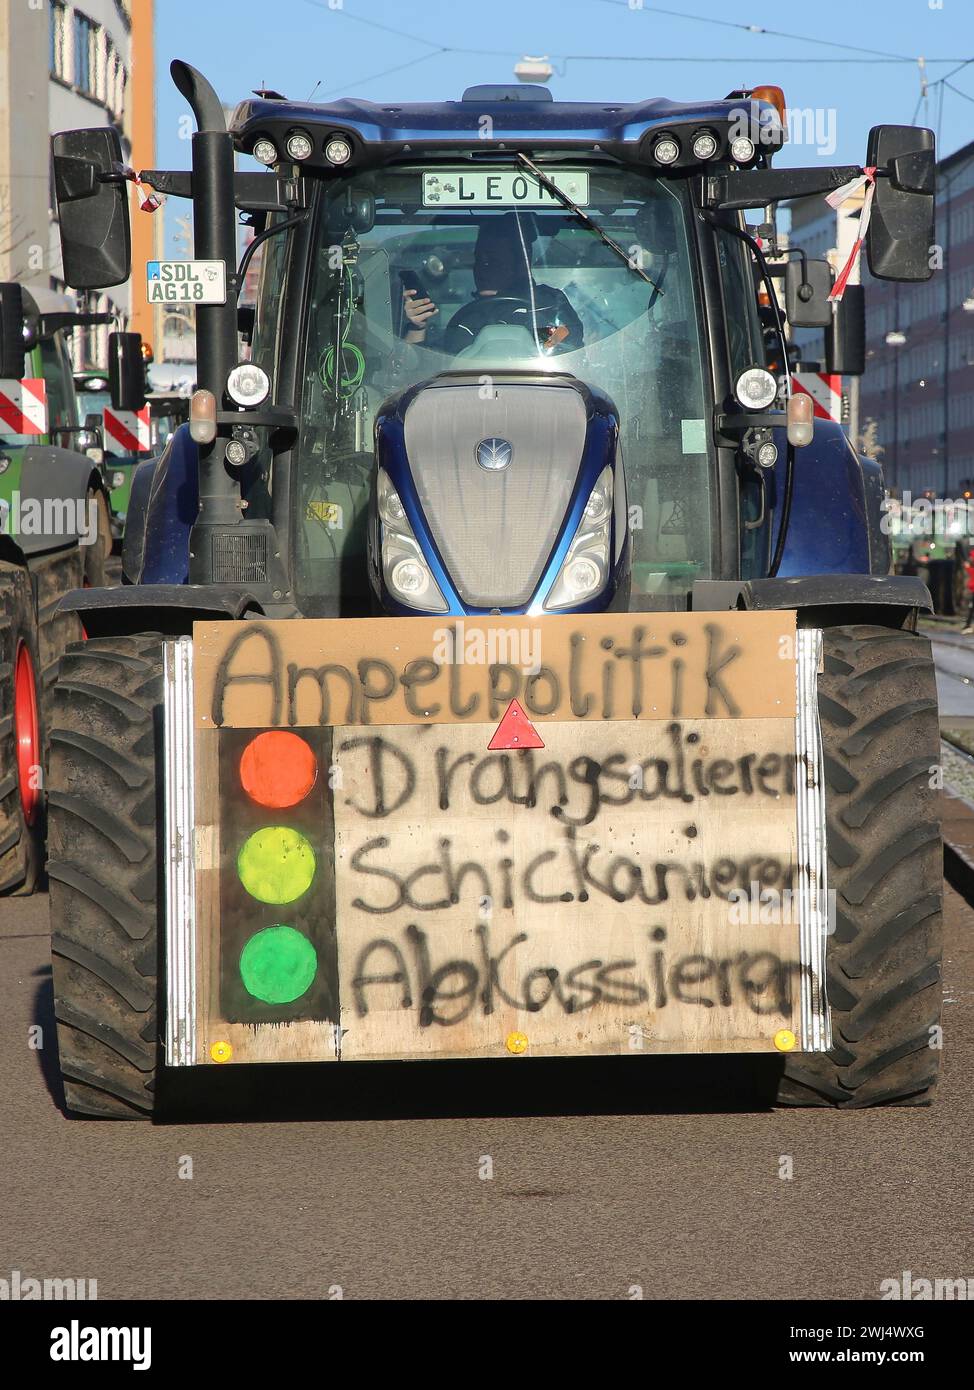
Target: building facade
pixel 64 66
pixel 917 396
pixel 919 385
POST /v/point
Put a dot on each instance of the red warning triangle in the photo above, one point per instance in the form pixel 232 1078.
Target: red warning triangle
pixel 515 731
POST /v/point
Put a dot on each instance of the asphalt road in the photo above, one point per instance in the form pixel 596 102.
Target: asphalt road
pixel 368 1179
pixel 954 657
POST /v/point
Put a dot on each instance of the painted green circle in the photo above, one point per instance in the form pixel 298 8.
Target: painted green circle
pixel 276 864
pixel 278 965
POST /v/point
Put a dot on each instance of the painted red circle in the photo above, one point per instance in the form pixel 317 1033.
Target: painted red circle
pixel 278 769
pixel 26 734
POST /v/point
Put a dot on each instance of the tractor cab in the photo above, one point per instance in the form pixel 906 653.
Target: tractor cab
pixel 508 354
pixel 528 389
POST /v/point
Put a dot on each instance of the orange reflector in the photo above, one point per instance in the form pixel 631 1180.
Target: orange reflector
pixel 774 96
pixel 515 731
pixel 278 769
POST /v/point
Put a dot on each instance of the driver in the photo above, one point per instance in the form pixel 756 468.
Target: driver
pixel 506 292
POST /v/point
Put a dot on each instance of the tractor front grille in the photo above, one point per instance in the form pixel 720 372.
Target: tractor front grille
pixel 240 557
pixel 495 529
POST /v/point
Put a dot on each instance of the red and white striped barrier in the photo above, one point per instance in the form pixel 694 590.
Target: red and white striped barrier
pixel 825 390
pixel 128 429
pixel 23 405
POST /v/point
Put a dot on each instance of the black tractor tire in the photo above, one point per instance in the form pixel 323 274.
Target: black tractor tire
pixel 52 576
pixel 881 742
pixel 21 843
pixel 103 797
pixel 97 556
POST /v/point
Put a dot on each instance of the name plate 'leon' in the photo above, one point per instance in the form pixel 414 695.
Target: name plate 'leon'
pixel 377 876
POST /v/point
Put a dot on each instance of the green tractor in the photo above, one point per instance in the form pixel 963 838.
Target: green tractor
pixel 130 437
pixel 55 536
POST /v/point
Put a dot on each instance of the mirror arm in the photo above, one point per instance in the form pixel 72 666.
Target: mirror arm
pixel 757 188
pixel 734 427
pixel 251 192
pixel 120 174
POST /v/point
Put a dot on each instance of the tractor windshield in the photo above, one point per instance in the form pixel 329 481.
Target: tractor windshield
pixel 427 269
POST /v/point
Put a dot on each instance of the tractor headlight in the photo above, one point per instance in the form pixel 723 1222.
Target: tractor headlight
pixel 248 384
pixel 756 388
pixel 391 511
pixel 666 150
pixel 410 577
pixel 585 570
pixel 299 145
pixel 407 575
pixel 338 150
pixel 705 144
pixel 599 504
pixel 265 151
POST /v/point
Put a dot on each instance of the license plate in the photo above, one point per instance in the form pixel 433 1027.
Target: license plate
pixel 487 188
pixel 186 282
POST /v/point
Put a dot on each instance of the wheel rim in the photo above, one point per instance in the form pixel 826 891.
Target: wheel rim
pixel 26 733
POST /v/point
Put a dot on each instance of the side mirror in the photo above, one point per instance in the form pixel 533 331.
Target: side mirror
pixel 96 242
pixel 808 285
pixel 126 371
pixel 845 338
pixel 355 208
pixel 901 228
pixel 12 346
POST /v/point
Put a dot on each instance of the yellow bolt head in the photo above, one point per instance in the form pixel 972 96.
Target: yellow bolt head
pixel 784 1040
pixel 221 1052
pixel 517 1043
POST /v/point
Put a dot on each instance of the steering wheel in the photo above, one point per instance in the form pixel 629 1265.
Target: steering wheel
pixel 514 306
pixel 493 299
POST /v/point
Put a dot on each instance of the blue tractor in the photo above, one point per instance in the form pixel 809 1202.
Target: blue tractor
pixel 510 358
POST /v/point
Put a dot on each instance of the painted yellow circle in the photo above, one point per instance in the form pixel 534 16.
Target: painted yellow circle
pixel 221 1052
pixel 276 864
pixel 784 1040
pixel 517 1042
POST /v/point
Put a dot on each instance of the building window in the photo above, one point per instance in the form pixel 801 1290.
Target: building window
pixel 59 44
pixel 84 52
pixel 100 45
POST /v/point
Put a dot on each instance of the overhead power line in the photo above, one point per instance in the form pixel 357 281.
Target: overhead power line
pixel 867 56
pixel 754 29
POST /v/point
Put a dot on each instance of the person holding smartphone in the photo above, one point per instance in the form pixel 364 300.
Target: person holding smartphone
pixel 505 292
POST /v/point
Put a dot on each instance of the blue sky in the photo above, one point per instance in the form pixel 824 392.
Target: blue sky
pixel 343 46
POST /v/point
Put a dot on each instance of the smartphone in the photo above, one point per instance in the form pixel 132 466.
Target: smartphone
pixel 411 281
